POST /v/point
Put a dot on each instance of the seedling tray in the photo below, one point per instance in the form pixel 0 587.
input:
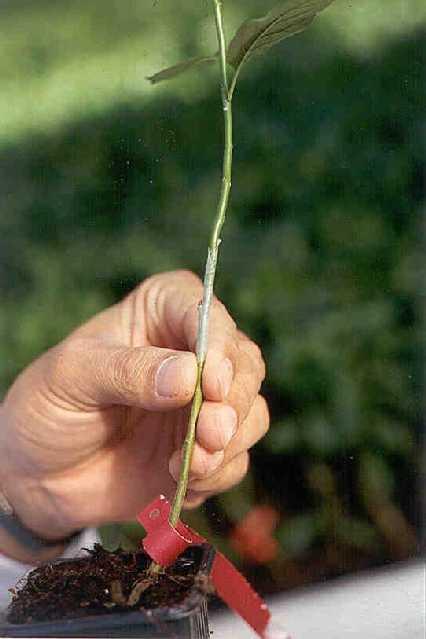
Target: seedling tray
pixel 187 620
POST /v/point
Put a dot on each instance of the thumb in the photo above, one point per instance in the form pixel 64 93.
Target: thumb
pixel 156 379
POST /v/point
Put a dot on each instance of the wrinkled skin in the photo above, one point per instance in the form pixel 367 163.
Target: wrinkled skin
pixel 92 430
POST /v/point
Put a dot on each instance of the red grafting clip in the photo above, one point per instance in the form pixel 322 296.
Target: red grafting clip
pixel 164 544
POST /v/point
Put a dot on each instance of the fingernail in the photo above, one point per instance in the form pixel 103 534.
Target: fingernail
pixel 225 376
pixel 169 377
pixel 227 424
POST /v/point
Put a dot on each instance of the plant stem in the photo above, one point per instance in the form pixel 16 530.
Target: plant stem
pixel 210 271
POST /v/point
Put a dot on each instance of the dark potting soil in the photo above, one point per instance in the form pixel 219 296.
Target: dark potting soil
pixel 100 583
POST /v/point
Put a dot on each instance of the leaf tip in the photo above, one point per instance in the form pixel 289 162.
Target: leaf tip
pixel 151 79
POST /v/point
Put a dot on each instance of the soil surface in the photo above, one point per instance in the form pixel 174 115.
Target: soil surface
pixel 100 583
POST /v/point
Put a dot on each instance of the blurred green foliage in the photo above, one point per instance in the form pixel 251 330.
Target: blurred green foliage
pixel 321 262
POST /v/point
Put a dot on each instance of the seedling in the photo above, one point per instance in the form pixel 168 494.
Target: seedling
pixel 253 37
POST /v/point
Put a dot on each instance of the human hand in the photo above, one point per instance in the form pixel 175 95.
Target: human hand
pixel 92 430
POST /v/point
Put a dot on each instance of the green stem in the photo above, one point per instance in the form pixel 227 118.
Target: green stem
pixel 210 271
pixel 188 447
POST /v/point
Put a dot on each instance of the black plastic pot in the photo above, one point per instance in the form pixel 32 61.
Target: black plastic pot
pixel 187 620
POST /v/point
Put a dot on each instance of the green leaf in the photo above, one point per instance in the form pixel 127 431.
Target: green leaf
pixel 132 530
pixel 376 478
pixel 126 536
pixel 255 35
pixel 110 535
pixel 356 532
pixel 286 19
pixel 320 435
pixel 393 437
pixel 297 534
pixel 284 437
pixel 127 544
pixel 181 67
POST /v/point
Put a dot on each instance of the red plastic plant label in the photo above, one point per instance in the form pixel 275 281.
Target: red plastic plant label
pixel 164 544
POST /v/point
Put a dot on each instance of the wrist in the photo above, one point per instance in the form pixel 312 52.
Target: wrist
pixel 32 528
pixel 19 542
pixel 27 533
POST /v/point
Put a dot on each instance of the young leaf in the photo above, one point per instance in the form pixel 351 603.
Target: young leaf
pixel 356 532
pixel 181 67
pixel 297 534
pixel 110 535
pixel 120 535
pixel 286 19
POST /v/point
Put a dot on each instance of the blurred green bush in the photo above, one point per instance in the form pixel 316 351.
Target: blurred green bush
pixel 321 264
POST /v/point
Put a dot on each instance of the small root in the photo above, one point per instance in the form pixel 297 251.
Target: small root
pixel 139 587
pixel 117 595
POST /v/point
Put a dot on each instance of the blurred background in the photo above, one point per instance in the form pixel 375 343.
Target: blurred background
pixel 105 180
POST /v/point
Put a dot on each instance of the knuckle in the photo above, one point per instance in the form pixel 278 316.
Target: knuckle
pixel 236 471
pixel 254 348
pixel 199 468
pixel 62 361
pixel 150 283
pixel 254 351
pixel 262 365
pixel 159 280
pixel 223 315
pixel 55 364
pixel 263 413
pixel 227 477
pixel 203 464
pixel 188 276
pixel 258 357
pixel 127 368
pixel 241 400
pixel 245 362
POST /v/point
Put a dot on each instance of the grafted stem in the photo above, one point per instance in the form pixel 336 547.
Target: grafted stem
pixel 210 269
pixel 209 277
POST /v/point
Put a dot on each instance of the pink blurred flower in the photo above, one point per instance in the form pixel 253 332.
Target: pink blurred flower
pixel 253 537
